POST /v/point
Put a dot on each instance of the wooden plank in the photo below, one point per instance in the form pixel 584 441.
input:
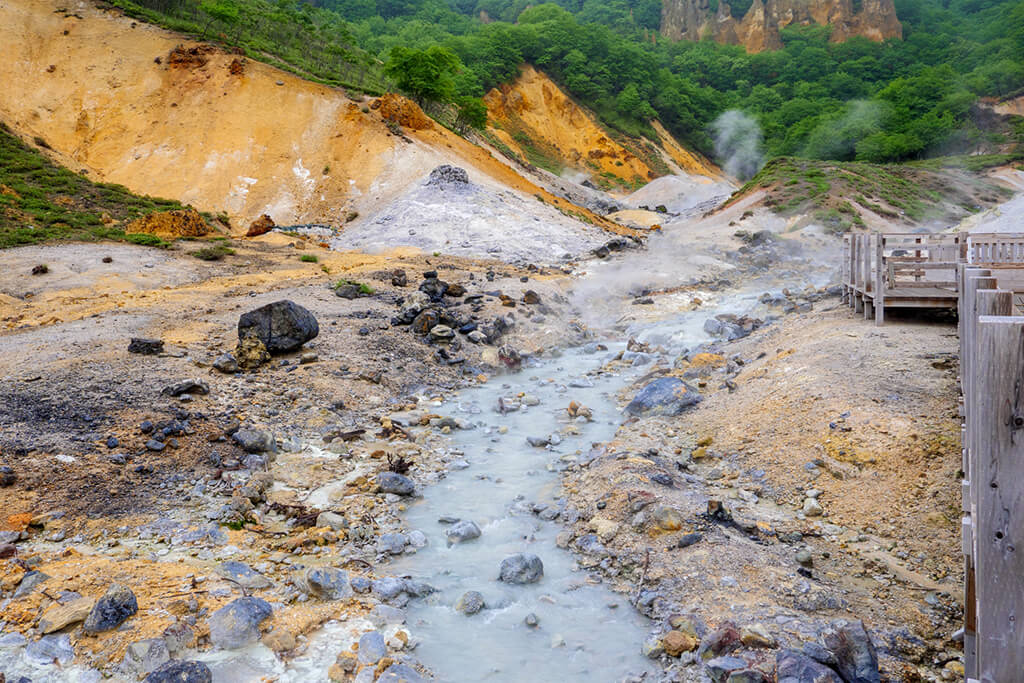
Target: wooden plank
pixel 879 279
pixel 999 524
pixel 924 284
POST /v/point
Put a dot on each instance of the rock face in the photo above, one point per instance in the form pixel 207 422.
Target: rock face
pixel 759 28
pixel 665 396
pixel 282 326
pixel 170 224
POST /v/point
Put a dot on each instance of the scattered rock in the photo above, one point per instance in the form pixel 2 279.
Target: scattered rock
pixel 676 643
pixel 856 660
pixel 372 648
pixel 666 518
pixel 146 656
pixel 465 530
pixel 757 635
pixel 253 440
pixel 7 476
pixel 57 616
pixel 446 175
pixel 470 603
pixel 812 508
pixel 392 543
pixel 179 671
pixel 521 568
pixel 146 347
pixel 721 641
pixel 665 396
pixel 281 326
pixel 689 539
pixel 260 226
pixel 400 673
pixel 237 624
pixel 41 269
pixel 242 575
pixel 250 353
pixel 719 668
pixel 112 610
pixel 531 297
pixel 331 520
pixel 793 667
pixel 227 364
pixel 326 583
pixel 398 484
pixel 188 386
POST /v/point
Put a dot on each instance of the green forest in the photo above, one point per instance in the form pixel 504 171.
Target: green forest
pixel 857 100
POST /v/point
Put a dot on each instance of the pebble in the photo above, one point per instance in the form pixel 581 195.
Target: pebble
pixel 460 532
pixel 398 484
pixel 812 508
pixel 7 476
pixel 470 603
pixel 521 568
pixel 372 647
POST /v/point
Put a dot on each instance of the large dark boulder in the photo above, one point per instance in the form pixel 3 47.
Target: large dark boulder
pixel 664 396
pixel 281 326
pixel 793 667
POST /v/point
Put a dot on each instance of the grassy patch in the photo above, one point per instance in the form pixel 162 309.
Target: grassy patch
pixel 42 202
pixel 308 258
pixel 363 288
pixel 214 252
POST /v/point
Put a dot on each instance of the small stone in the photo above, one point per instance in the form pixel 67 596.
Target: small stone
pixel 531 620
pixel 226 363
pixel 179 671
pixel 112 610
pixel 372 648
pixel 470 603
pixel 178 636
pixel 392 543
pixel 757 635
pixel 331 520
pixel 253 440
pixel 677 642
pixel 7 476
pixel 531 297
pixel 326 583
pixel 279 640
pixel 308 357
pixel 146 656
pixel 154 445
pixel 722 641
pixel 793 667
pixel 689 539
pixel 667 518
pixel 666 396
pixel 188 386
pixel 400 673
pixel 465 530
pixel 242 575
pixel 855 654
pixel 398 484
pixel 719 668
pixel 145 347
pixel 237 624
pixel 805 558
pixel 521 568
pixel 442 333
pixel 812 508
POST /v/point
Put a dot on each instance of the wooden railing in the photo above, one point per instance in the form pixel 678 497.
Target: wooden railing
pixel 992 381
pixel 899 270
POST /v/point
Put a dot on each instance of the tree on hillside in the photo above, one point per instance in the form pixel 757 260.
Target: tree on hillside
pixel 427 75
pixel 224 11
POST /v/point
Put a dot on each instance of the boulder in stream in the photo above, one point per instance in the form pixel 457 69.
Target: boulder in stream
pixel 521 568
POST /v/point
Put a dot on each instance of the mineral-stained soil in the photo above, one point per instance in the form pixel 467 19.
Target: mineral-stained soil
pixel 821 405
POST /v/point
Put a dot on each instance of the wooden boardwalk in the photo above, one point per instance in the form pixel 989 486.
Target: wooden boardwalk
pixel 981 276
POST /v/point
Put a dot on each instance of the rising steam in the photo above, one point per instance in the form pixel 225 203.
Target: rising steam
pixel 738 141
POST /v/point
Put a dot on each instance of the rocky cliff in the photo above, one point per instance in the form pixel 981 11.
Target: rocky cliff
pixel 759 28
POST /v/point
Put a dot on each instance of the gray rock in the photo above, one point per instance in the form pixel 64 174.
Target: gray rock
pixel 154 445
pixel 255 440
pixel 382 615
pixel 178 636
pixel 793 667
pixel 665 396
pixel 242 575
pixel 388 587
pixel 7 476
pixel 29 582
pixel 392 482
pixel 145 347
pixel 226 363
pixel 856 660
pixel 719 668
pixel 188 386
pixel 400 673
pixel 348 291
pixel 460 532
pixel 392 543
pixel 748 676
pixel 470 603
pixel 417 539
pixel 50 649
pixel 521 568
pixel 361 584
pixel 372 648
pixel 326 583
pixel 178 671
pixel 237 623
pixel 281 326
pixel 447 176
pixel 111 610
pixel 145 656
pixel 331 520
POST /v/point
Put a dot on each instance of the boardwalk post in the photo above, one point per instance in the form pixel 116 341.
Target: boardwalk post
pixel 999 522
pixel 879 278
pixel 858 284
pixel 866 275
